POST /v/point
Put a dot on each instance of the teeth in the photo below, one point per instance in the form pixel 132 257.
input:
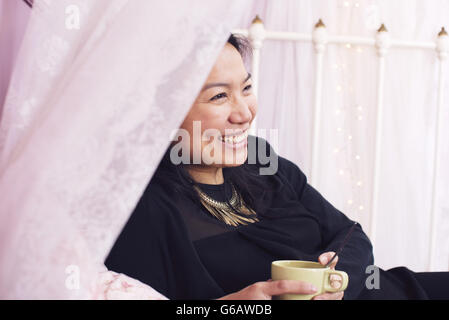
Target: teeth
pixel 235 139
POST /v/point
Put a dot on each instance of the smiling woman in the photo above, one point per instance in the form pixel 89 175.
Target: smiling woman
pixel 208 236
pixel 215 136
pixel 225 109
pixel 211 226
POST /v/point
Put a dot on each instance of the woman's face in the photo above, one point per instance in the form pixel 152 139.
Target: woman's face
pixel 221 115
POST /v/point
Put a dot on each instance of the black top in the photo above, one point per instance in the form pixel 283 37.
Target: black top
pixel 174 245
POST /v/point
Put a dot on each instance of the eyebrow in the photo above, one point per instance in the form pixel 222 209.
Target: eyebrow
pixel 223 84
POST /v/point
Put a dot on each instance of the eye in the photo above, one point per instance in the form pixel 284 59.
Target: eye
pixel 218 96
pixel 248 87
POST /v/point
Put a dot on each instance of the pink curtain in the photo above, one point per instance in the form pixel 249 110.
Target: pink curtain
pixel 14 17
pixel 88 115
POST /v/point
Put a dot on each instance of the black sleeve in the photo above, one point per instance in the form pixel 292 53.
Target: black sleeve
pixel 138 250
pixel 154 248
pixel 334 225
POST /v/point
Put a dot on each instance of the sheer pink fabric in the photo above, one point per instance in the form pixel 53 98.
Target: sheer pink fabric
pixel 14 17
pixel 88 115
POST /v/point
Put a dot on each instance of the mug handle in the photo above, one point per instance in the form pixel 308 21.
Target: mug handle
pixel 344 283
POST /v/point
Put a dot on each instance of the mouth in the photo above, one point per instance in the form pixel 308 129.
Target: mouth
pixel 235 141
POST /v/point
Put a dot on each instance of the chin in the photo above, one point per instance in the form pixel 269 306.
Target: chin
pixel 232 165
pixel 229 158
pixel 238 160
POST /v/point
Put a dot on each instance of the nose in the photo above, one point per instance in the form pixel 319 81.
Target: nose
pixel 241 112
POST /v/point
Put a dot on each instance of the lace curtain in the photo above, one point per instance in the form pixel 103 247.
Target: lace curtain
pixel 14 16
pixel 97 89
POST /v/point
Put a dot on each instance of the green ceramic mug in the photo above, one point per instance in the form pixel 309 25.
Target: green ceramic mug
pixel 308 271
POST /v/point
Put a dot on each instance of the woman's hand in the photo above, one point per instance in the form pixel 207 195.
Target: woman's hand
pixel 265 290
pixel 335 279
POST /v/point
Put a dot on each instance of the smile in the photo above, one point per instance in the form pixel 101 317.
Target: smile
pixel 235 141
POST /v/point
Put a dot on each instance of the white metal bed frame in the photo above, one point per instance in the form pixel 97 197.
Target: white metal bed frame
pixel 382 42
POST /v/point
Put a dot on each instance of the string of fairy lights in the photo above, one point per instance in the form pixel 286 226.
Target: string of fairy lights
pixel 348 138
pixel 348 4
pixel 344 130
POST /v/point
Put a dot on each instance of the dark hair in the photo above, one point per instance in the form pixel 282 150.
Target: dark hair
pixel 243 46
pixel 245 178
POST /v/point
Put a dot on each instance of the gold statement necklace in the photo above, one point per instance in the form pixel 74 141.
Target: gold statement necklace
pixel 223 212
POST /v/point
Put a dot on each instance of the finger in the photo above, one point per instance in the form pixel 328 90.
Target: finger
pixel 335 277
pixel 329 296
pixel 277 287
pixel 326 257
pixel 335 284
pixel 334 263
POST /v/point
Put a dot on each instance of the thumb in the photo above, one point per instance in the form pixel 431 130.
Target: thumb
pixel 325 257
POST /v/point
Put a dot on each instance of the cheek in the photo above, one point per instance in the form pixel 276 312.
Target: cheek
pixel 252 105
pixel 214 117
pixel 204 117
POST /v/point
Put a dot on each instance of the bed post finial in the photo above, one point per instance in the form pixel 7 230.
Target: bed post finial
pixel 257 19
pixel 443 44
pixel 320 24
pixel 382 28
pixel 443 32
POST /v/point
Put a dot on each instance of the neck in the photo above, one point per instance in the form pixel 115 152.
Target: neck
pixel 206 174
